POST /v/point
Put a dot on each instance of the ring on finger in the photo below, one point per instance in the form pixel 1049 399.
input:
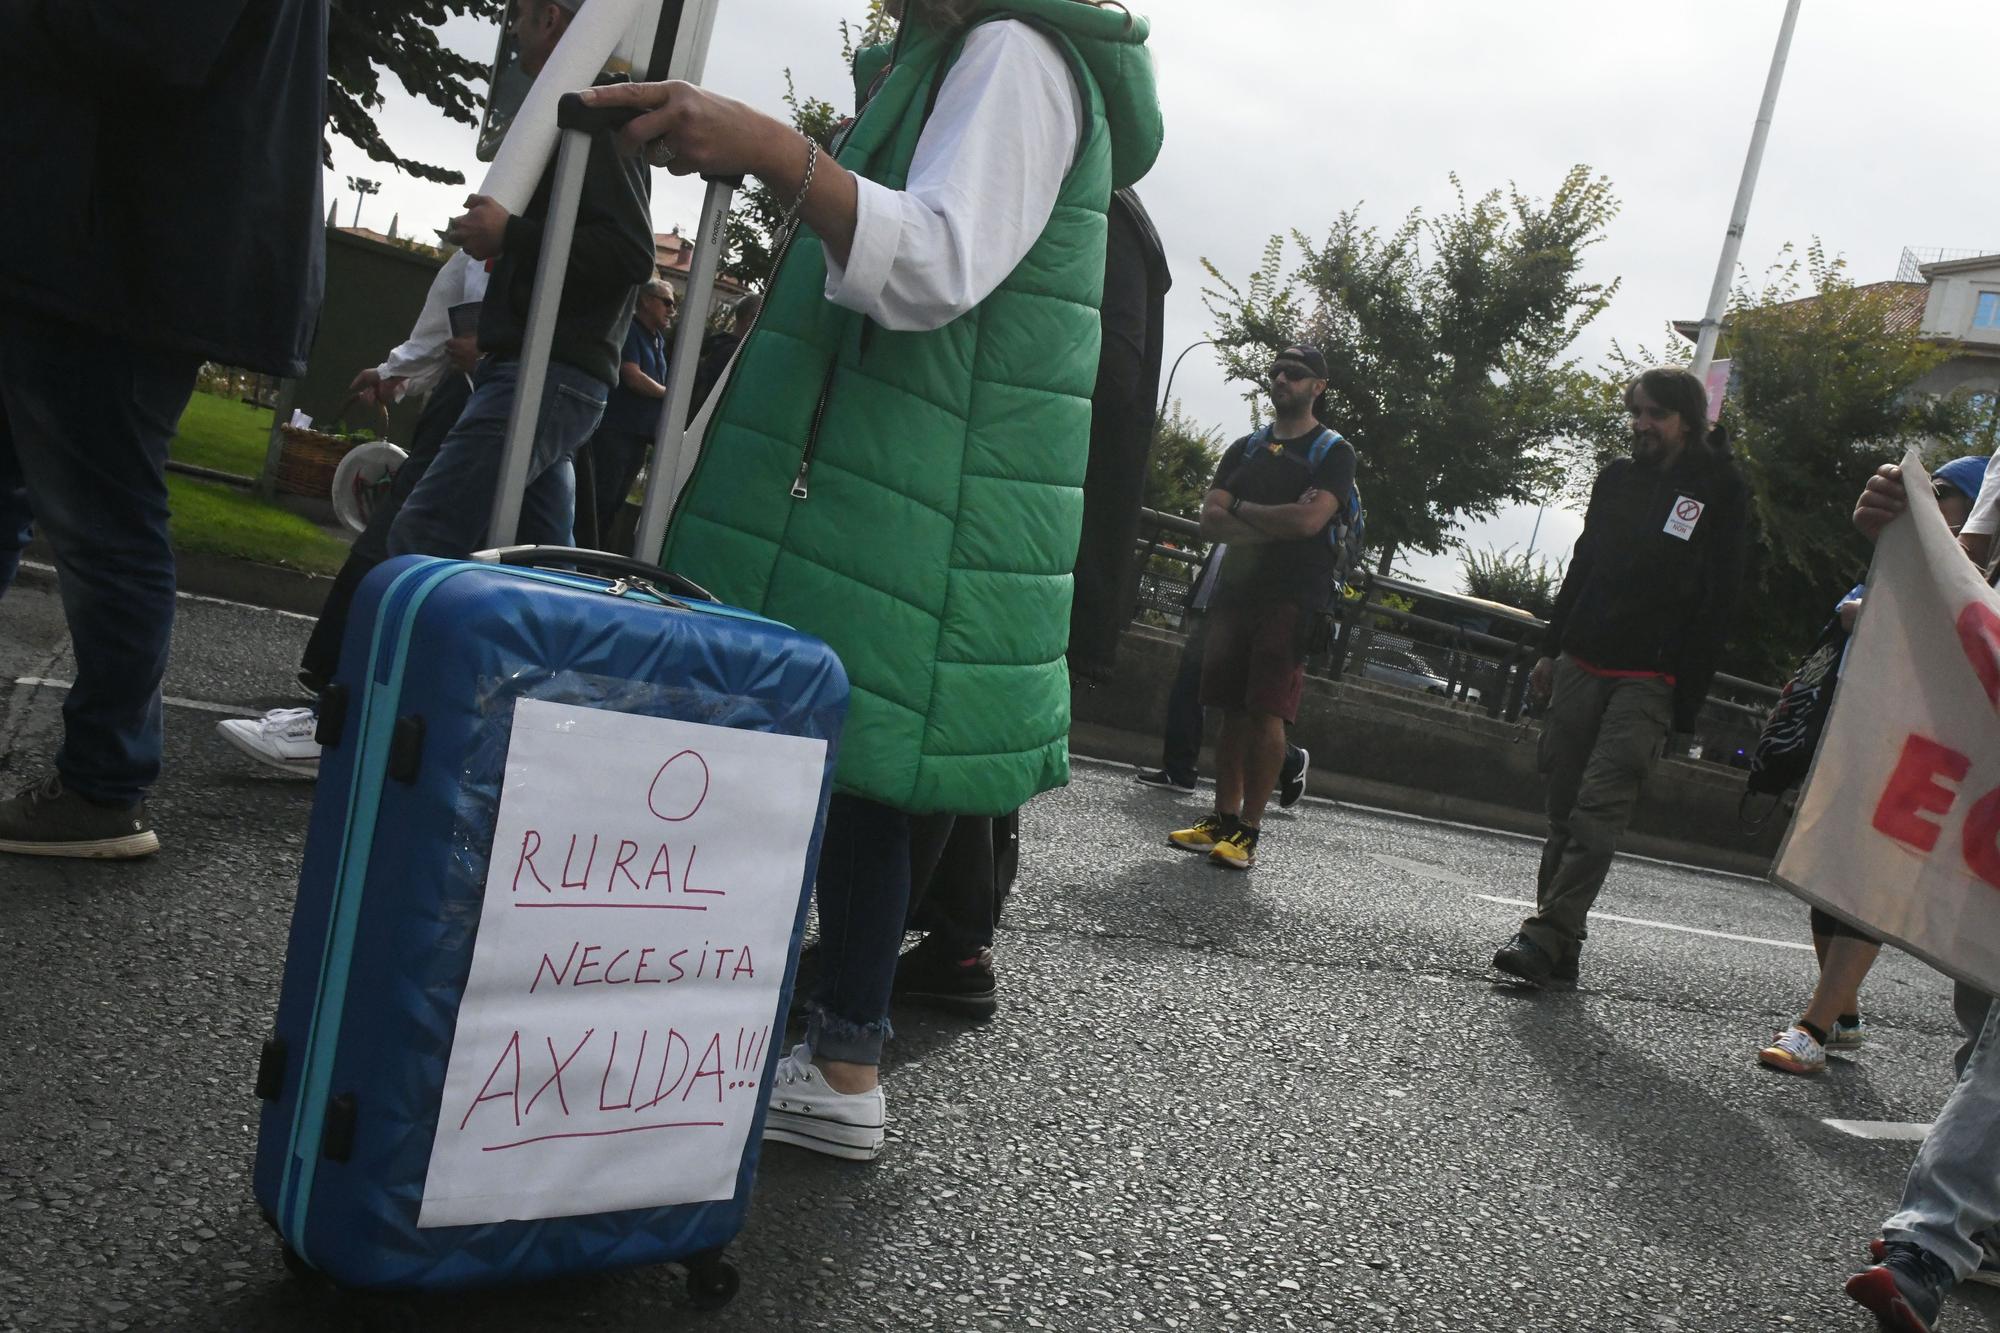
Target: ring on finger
pixel 658 153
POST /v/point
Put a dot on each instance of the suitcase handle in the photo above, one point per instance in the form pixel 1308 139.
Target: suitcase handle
pixel 573 113
pixel 604 563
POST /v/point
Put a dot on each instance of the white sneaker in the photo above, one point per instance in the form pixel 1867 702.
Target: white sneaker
pixel 1795 1051
pixel 808 1113
pixel 282 738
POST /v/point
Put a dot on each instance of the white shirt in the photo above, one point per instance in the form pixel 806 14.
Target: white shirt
pixel 420 359
pixel 1984 520
pixel 982 186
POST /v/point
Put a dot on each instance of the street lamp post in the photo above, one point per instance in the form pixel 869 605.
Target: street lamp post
pixel 1168 396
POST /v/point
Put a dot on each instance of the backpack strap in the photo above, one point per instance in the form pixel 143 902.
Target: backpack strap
pixel 1322 445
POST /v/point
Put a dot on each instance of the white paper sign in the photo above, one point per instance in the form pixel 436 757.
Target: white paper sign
pixel 1898 829
pixel 638 912
pixel 1687 513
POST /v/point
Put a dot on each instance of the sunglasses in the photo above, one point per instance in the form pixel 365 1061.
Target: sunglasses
pixel 1290 373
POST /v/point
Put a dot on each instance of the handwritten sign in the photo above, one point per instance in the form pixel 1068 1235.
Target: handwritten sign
pixel 1898 829
pixel 638 911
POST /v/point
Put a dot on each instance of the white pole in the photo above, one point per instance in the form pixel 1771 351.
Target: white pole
pixel 1725 271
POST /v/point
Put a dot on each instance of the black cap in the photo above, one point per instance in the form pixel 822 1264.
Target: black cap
pixel 1305 356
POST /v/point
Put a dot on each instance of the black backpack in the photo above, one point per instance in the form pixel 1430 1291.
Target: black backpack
pixel 1785 747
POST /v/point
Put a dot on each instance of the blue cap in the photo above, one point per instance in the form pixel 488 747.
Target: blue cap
pixel 1963 474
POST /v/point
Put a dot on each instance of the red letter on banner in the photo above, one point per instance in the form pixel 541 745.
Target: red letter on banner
pixel 1914 791
pixel 1982 838
pixel 1979 635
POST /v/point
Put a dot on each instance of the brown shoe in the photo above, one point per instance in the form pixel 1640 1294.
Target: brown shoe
pixel 46 820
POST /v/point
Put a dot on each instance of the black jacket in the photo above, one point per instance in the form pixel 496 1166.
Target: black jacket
pixel 1638 597
pixel 610 254
pixel 162 167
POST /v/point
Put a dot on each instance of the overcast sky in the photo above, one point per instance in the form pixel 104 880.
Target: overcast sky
pixel 1281 113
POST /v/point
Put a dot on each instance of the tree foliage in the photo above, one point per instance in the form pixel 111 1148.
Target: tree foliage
pixel 1445 339
pixel 1821 393
pixel 1526 581
pixel 1182 464
pixel 752 233
pixel 366 37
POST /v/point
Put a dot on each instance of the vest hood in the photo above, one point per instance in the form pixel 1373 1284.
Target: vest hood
pixel 1112 43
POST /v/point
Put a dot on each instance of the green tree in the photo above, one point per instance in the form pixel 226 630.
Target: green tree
pixel 1445 340
pixel 364 38
pixel 752 232
pixel 1525 581
pixel 1821 393
pixel 1181 464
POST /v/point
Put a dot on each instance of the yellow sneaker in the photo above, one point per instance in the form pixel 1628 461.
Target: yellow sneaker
pixel 1238 851
pixel 1202 837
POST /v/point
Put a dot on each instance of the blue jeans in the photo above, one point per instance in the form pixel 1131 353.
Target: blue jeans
pixel 1952 1197
pixel 84 422
pixel 448 512
pixel 864 897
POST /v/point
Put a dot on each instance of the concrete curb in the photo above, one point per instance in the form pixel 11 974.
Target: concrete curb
pixel 235 580
pixel 1112 745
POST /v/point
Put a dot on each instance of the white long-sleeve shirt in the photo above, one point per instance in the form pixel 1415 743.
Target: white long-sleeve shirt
pixel 1984 520
pixel 420 358
pixel 981 188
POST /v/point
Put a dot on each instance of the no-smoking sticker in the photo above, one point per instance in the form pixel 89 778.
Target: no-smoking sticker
pixel 1687 513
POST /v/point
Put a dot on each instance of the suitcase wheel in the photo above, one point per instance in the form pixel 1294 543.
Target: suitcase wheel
pixel 711 1281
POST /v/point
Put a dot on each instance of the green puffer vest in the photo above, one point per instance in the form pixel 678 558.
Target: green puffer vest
pixel 915 498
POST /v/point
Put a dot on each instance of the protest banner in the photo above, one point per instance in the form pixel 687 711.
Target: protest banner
pixel 633 938
pixel 1898 829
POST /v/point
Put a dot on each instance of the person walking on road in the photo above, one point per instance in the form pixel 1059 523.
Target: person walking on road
pixel 895 461
pixel 611 253
pixel 165 211
pixel 631 417
pixel 1637 626
pixel 1943 1233
pixel 1276 496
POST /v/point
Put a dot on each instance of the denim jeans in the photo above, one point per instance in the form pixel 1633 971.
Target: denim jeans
pixel 84 422
pixel 448 512
pixel 1952 1196
pixel 864 897
pixel 371 548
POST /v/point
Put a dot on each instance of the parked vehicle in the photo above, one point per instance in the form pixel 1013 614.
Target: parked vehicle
pixel 1406 670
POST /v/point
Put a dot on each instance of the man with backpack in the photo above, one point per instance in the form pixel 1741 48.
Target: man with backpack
pixel 1279 499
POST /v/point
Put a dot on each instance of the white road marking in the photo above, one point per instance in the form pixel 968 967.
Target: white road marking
pixel 1421 869
pixel 197 597
pixel 172 700
pixel 1662 925
pixel 1899 1131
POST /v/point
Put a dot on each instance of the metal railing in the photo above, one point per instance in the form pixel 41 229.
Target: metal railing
pixel 1393 632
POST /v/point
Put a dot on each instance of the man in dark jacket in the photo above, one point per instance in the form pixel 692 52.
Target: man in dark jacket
pixel 611 253
pixel 1638 624
pixel 166 166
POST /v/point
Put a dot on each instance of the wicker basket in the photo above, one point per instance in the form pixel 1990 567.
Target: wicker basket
pixel 307 458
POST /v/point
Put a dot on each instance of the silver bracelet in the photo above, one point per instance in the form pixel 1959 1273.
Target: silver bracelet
pixel 805 187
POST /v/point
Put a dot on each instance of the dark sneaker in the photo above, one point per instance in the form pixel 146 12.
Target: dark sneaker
pixel 1563 975
pixel 1293 786
pixel 1523 958
pixel 930 975
pixel 1905 1291
pixel 1986 1275
pixel 1159 777
pixel 45 820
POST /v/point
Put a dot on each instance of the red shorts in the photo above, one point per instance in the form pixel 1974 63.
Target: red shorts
pixel 1255 661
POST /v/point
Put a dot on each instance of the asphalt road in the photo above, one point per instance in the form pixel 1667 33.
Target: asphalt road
pixel 1292 1100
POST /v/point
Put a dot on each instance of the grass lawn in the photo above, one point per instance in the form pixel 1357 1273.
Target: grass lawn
pixel 222 433
pixel 216 519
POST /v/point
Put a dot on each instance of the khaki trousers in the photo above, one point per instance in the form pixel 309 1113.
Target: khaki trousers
pixel 1600 740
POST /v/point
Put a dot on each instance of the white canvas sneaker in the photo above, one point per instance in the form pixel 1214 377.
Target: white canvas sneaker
pixel 808 1113
pixel 282 738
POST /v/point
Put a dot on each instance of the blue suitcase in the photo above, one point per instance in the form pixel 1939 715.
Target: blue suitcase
pixel 427 751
